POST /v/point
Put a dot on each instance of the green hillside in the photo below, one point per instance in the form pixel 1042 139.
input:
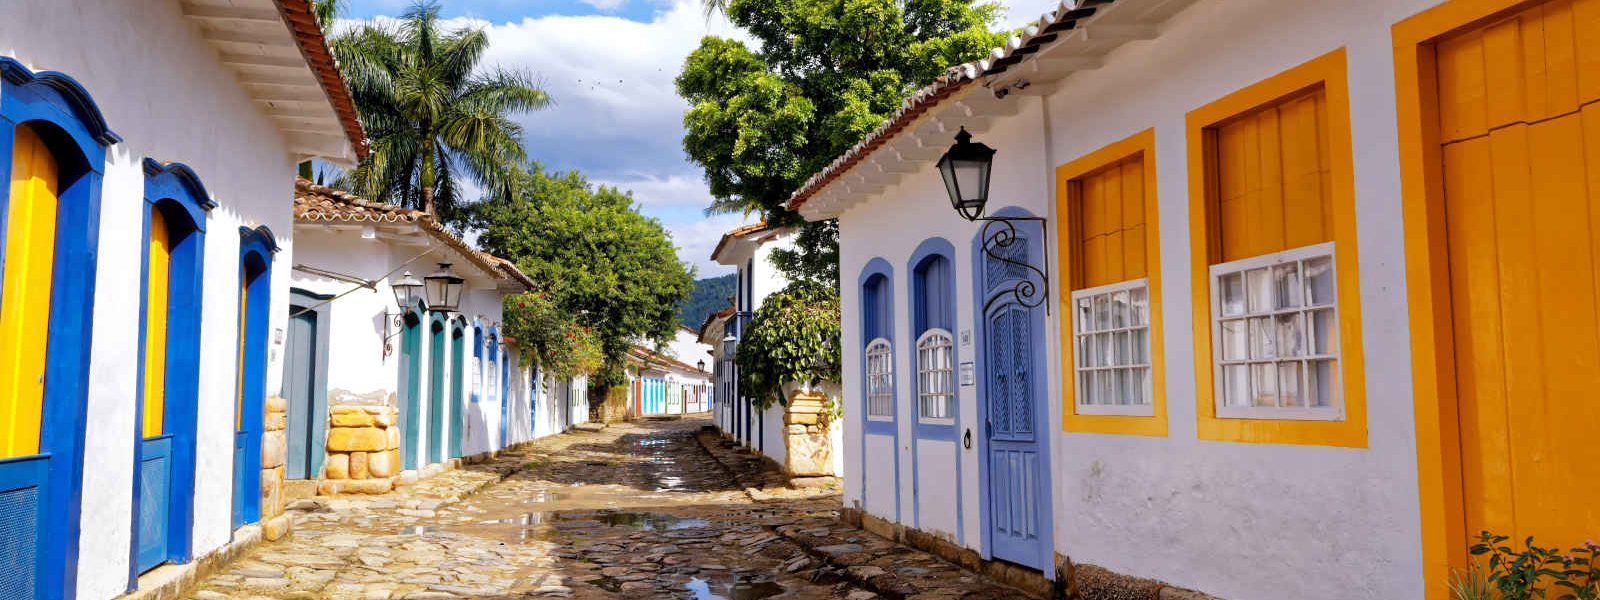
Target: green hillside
pixel 709 296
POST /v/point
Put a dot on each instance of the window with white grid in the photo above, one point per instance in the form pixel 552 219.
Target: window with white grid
pixel 936 378
pixel 1275 319
pixel 1111 333
pixel 880 380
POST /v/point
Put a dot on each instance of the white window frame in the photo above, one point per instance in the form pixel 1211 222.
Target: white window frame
pixel 1079 358
pixel 1335 409
pixel 880 348
pixel 929 342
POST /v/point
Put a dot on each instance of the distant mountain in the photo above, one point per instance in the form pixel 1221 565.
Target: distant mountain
pixel 709 296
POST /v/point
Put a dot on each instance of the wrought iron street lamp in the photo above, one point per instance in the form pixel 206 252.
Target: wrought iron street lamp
pixel 966 168
pixel 700 364
pixel 406 291
pixel 444 289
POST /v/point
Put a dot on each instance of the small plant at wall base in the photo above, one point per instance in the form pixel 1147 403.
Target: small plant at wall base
pixel 564 347
pixel 1532 572
pixel 793 338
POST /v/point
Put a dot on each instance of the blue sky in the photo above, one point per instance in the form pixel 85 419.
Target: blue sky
pixel 609 65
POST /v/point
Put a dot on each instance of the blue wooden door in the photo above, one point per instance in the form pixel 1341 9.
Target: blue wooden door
pixel 155 490
pixel 436 394
pixel 22 489
pixel 1017 464
pixel 300 372
pixel 410 389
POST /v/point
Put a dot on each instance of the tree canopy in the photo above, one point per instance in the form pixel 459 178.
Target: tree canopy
pixel 432 115
pixel 612 268
pixel 823 74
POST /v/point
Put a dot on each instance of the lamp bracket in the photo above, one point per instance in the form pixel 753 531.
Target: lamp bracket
pixel 998 234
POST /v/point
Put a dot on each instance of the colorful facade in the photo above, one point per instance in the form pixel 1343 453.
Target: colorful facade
pixel 1295 297
pixel 145 273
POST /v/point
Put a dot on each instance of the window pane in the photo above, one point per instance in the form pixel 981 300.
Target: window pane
pixel 1319 278
pixel 1291 335
pixel 1136 386
pixel 1232 291
pixel 1233 340
pixel 1264 382
pixel 1084 315
pixel 1139 297
pixel 1108 349
pixel 1258 283
pixel 1102 313
pixel 1286 281
pixel 1323 387
pixel 1124 348
pixel 1263 340
pixel 1119 309
pixel 1324 332
pixel 1091 387
pixel 1289 384
pixel 1108 387
pixel 1116 386
pixel 1141 349
pixel 1236 385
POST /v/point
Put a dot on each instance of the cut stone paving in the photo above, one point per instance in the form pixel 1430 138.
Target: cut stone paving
pixel 643 510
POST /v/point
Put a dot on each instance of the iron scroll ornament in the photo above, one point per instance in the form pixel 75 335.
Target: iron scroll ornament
pixel 1033 289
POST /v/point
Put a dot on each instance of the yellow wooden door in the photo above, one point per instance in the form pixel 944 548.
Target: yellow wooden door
pixel 25 292
pixel 1520 126
pixel 157 285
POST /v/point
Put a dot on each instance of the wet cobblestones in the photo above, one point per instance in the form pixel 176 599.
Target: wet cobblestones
pixel 633 511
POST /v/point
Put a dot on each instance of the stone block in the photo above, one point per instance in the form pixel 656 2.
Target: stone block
pixel 358 465
pixel 365 439
pixel 354 486
pixel 408 477
pixel 351 419
pixel 382 419
pixel 275 528
pixel 374 410
pixel 379 465
pixel 276 404
pixel 393 441
pixel 337 466
pixel 275 422
pixel 801 418
pixel 274 449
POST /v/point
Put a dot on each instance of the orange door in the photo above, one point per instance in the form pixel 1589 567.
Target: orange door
pixel 1520 125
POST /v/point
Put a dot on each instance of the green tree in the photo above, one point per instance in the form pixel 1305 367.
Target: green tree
pixel 822 75
pixel 431 114
pixel 612 268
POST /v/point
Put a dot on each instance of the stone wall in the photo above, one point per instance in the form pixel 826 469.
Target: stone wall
pixel 613 405
pixel 363 450
pixel 274 451
pixel 808 447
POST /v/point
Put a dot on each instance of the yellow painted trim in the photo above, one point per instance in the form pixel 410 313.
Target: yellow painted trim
pixel 1439 485
pixel 1327 71
pixel 157 285
pixel 1142 145
pixel 238 375
pixel 27 278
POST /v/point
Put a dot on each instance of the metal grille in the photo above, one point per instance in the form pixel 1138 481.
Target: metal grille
pixel 19 522
pixel 1007 263
pixel 152 500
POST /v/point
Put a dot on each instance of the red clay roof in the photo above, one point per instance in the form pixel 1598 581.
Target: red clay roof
pixel 958 77
pixel 318 204
pixel 739 231
pixel 308 34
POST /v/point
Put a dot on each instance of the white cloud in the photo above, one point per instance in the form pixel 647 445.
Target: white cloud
pixel 605 5
pixel 696 239
pixel 671 191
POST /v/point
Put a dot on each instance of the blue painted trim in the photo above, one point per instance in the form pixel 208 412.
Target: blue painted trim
pixel 922 321
pixel 438 393
pixel 67 93
pixel 413 445
pixel 66 116
pixel 1041 411
pixel 256 249
pixel 493 367
pixel 505 392
pixel 458 370
pixel 178 194
pixel 477 352
pixel 878 267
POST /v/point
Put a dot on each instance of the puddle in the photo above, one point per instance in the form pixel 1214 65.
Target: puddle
pixel 652 442
pixel 743 590
pixel 542 496
pixel 417 530
pixel 524 519
pixel 650 521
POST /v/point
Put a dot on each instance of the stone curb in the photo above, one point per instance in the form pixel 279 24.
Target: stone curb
pixel 176 580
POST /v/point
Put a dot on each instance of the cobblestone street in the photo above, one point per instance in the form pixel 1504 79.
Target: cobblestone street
pixel 637 511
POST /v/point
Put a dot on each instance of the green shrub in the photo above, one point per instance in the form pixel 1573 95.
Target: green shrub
pixel 793 338
pixel 1532 572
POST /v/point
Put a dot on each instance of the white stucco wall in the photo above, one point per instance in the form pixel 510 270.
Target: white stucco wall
pixel 161 87
pixel 1232 519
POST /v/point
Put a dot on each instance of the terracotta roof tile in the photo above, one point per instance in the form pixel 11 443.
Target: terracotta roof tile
pixel 297 14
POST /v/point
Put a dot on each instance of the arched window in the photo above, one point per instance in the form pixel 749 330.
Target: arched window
pixel 166 448
pixel 53 141
pixel 935 377
pixel 256 247
pixel 880 380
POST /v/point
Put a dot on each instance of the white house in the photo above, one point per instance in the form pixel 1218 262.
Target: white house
pixel 151 148
pixel 1281 270
pixel 748 249
pixel 459 387
pixel 666 383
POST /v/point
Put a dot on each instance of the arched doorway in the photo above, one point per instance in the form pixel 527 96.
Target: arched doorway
pixel 256 247
pixel 437 401
pixel 457 367
pixel 410 385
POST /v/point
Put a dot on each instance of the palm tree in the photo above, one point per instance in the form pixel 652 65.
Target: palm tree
pixel 430 114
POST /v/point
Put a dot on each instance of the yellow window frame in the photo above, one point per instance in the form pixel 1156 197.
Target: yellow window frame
pixel 1329 72
pixel 1142 146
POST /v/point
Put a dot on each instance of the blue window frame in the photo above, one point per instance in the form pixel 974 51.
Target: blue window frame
pixel 934 356
pixel 41 494
pixel 256 249
pixel 163 529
